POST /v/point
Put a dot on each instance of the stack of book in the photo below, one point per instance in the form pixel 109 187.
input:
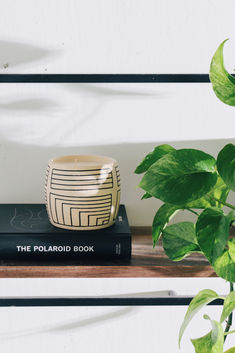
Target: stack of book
pixel 27 234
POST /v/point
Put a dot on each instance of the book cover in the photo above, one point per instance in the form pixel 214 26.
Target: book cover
pixel 27 234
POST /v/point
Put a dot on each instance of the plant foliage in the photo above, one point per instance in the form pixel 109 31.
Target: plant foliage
pixel 222 82
pixel 190 179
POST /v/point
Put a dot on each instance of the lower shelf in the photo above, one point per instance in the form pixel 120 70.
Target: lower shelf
pixel 145 262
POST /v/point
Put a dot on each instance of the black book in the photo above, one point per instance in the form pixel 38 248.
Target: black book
pixel 27 234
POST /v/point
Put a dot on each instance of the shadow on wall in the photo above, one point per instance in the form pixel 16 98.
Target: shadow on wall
pixel 77 104
pixel 30 105
pixel 23 169
pixel 28 140
pixel 71 325
pixel 101 90
pixel 14 54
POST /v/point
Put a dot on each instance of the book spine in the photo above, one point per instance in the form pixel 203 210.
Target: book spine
pixel 38 247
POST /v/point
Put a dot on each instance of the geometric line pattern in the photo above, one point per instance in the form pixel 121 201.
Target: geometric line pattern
pixel 81 180
pixel 117 203
pixel 46 182
pixel 80 211
pixel 118 176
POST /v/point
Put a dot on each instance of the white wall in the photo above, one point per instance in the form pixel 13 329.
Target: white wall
pixel 111 36
pixel 125 121
pixel 107 329
pixel 39 121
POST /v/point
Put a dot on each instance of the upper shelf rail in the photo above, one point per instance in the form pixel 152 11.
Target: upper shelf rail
pixel 104 78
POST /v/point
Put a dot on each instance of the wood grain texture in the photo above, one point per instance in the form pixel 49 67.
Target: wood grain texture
pixel 105 272
pixel 145 262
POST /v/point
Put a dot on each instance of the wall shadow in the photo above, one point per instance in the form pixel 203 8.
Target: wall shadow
pixel 70 325
pixel 23 169
pixel 96 90
pixel 14 54
pixel 31 104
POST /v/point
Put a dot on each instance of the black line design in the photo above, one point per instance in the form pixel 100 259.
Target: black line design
pixel 91 179
pixel 81 170
pixel 86 184
pixel 59 189
pixel 88 209
pixel 106 215
pixel 56 213
pixel 46 184
pixel 47 173
pixel 83 203
pixel 85 207
pixel 105 220
pixel 90 183
pixel 118 176
pixel 69 208
pixel 117 204
pixel 80 175
pixel 81 197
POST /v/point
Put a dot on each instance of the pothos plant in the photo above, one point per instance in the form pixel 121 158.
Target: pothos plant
pixel 192 180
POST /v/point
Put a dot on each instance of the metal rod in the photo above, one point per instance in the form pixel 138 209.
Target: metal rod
pixel 105 78
pixel 66 301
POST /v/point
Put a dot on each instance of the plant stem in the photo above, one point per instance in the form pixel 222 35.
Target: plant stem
pixel 230 318
pixel 229 333
pixel 225 203
pixel 190 210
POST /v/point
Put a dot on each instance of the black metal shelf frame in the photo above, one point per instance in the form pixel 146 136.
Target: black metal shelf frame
pixel 104 78
pixel 101 78
pixel 67 301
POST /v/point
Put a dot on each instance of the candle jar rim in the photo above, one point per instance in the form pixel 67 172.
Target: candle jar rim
pixel 96 160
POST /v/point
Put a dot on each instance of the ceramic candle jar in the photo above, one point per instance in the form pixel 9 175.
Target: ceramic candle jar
pixel 82 192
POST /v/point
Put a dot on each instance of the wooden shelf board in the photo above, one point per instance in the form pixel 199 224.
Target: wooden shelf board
pixel 145 262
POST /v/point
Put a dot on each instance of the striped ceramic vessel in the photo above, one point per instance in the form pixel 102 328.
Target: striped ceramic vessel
pixel 82 192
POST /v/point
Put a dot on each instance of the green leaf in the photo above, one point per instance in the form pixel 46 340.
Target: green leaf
pixel 219 191
pixel 164 214
pixel 222 82
pixel 203 298
pixel 146 196
pixel 229 306
pixel 224 266
pixel 179 240
pixel 226 165
pixel 203 344
pixel 152 157
pixel 213 342
pixel 231 350
pixel 180 176
pixel 212 229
